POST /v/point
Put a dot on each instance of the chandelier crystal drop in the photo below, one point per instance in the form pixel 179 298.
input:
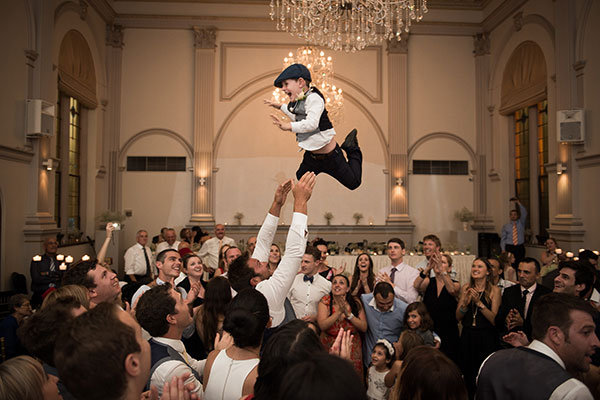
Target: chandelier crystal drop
pixel 321 72
pixel 348 25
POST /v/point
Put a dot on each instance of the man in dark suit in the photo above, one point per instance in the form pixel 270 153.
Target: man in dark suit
pixel 45 272
pixel 518 300
pixel 564 340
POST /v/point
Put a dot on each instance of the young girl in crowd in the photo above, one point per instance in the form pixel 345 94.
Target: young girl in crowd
pixel 381 362
pixel 407 341
pixel 418 320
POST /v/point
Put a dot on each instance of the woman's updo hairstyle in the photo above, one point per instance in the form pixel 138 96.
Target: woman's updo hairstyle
pixel 246 318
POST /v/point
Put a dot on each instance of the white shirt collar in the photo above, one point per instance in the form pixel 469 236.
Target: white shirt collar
pixel 530 289
pixel 545 349
pixel 174 343
pixel 373 304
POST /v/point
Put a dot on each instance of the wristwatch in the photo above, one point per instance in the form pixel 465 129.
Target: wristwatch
pixel 422 275
pixel 349 317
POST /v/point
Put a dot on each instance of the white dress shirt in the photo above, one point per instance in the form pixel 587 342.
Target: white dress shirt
pixel 277 286
pixel 305 296
pixel 314 107
pixel 164 245
pixel 209 252
pixel 144 288
pixel 168 369
pixel 530 291
pixel 403 281
pixel 135 262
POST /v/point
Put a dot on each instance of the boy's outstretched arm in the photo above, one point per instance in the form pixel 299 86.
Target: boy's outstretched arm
pixel 281 124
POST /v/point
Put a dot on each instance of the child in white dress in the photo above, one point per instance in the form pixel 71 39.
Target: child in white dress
pixel 382 357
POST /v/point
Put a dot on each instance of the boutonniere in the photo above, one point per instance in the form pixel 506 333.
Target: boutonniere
pixel 302 96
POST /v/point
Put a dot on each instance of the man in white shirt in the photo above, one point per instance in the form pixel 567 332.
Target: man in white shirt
pixel 564 340
pixel 138 267
pixel 209 252
pixel 399 274
pixel 308 287
pixel 163 312
pixel 168 263
pixel 170 242
pixel 247 272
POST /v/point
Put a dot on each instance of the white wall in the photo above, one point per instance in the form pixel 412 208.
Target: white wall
pixel 157 199
pixel 433 199
pixel 157 82
pixel 441 87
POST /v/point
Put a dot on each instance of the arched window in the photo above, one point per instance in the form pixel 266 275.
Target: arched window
pixel 523 98
pixel 76 94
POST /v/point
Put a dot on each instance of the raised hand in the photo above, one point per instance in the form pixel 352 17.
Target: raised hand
pixel 340 269
pixel 281 124
pixel 272 103
pixel 302 191
pixel 516 339
pixel 282 191
pixel 223 341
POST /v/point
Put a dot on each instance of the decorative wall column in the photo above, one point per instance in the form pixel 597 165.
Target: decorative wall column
pixel 398 182
pixel 112 124
pixel 481 52
pixel 203 184
pixel 566 226
pixel 41 84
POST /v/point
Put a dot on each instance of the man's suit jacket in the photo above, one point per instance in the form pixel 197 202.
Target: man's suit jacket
pixel 512 298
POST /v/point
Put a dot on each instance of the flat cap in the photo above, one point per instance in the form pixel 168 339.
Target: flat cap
pixel 294 71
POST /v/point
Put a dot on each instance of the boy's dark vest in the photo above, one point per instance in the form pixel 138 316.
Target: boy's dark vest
pixel 298 108
pixel 161 353
pixel 520 373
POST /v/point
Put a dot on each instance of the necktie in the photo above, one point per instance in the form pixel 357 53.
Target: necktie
pixel 52 265
pixel 308 278
pixel 515 234
pixel 220 243
pixel 147 261
pixel 393 274
pixel 524 299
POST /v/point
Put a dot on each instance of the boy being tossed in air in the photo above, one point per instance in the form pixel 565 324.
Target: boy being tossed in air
pixel 314 131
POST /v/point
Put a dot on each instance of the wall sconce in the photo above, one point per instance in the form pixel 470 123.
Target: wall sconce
pixel 50 164
pixel 560 168
pixel 202 181
pixel 399 182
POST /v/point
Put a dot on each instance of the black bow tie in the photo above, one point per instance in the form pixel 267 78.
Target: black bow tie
pixel 308 278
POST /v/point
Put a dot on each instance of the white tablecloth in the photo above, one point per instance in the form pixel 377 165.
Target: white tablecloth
pixel 461 265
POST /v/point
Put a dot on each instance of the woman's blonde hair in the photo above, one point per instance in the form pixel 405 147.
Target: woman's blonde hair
pixel 76 291
pixel 22 378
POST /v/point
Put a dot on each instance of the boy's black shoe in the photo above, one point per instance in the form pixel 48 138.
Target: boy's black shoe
pixel 350 143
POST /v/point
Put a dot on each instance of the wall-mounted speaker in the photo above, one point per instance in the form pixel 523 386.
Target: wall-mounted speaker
pixel 570 126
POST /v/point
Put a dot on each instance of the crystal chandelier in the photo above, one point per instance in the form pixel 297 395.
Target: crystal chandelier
pixel 348 25
pixel 321 72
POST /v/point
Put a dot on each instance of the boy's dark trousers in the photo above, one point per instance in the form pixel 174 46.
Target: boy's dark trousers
pixel 348 173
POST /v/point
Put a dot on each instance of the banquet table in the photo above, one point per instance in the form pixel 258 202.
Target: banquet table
pixel 461 265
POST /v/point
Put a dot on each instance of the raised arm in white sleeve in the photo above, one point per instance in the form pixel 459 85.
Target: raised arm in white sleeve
pixel 275 289
pixel 264 239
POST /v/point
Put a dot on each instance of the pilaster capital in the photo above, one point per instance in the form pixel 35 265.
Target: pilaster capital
pixel 114 35
pixel 481 44
pixel 83 9
pixel 398 46
pixel 518 21
pixel 205 38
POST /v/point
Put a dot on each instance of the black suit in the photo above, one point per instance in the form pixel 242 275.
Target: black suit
pixel 512 298
pixel 43 275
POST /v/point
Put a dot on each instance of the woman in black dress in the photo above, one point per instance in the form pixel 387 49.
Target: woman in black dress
pixel 209 318
pixel 477 309
pixel 440 294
